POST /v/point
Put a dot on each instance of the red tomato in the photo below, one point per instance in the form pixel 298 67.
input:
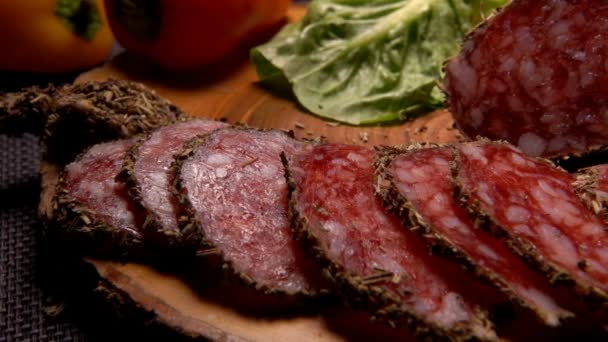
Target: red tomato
pixel 183 34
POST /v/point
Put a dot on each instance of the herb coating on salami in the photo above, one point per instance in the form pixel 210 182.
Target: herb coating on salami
pixel 416 184
pixel 367 251
pixel 93 208
pixel 535 75
pixel 592 186
pixel 534 204
pixel 146 173
pixel 232 184
pixel 75 116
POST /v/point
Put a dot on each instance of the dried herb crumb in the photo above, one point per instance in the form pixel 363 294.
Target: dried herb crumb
pixel 364 136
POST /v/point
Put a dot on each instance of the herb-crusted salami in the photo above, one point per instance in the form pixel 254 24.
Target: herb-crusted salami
pixel 95 209
pixel 127 107
pixel 534 203
pixel 535 75
pixel 592 185
pixel 232 184
pixel 417 184
pixel 146 172
pixel 75 116
pixel 368 251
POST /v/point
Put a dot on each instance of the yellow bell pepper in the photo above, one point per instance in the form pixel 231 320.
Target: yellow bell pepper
pixel 53 35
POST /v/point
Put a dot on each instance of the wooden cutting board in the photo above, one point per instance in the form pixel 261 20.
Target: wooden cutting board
pixel 230 92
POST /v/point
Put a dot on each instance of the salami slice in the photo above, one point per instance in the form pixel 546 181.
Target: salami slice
pixel 94 209
pixel 145 171
pixel 534 203
pixel 592 185
pixel 417 185
pixel 367 250
pixel 534 75
pixel 233 185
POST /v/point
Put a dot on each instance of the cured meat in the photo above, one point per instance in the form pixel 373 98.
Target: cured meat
pixel 145 171
pixel 417 185
pixel 127 107
pixel 369 253
pixel 592 185
pixel 232 184
pixel 535 75
pixel 93 209
pixel 26 110
pixel 534 203
pixel 75 116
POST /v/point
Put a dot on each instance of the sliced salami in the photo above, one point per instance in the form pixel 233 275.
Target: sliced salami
pixel 534 203
pixel 145 171
pixel 416 184
pixel 541 86
pixel 592 185
pixel 93 208
pixel 233 185
pixel 369 253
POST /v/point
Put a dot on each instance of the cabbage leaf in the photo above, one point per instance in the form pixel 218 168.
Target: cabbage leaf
pixel 365 62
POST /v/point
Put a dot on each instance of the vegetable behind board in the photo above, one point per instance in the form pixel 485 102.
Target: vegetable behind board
pixel 365 62
pixel 187 34
pixel 53 36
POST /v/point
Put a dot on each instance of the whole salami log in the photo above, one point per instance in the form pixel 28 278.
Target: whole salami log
pixel 535 205
pixel 232 185
pixel 75 116
pixel 145 171
pixel 92 209
pixel 535 75
pixel 367 251
pixel 416 184
pixel 592 185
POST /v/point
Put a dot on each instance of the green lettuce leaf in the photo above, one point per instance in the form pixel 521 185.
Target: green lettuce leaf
pixel 364 62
